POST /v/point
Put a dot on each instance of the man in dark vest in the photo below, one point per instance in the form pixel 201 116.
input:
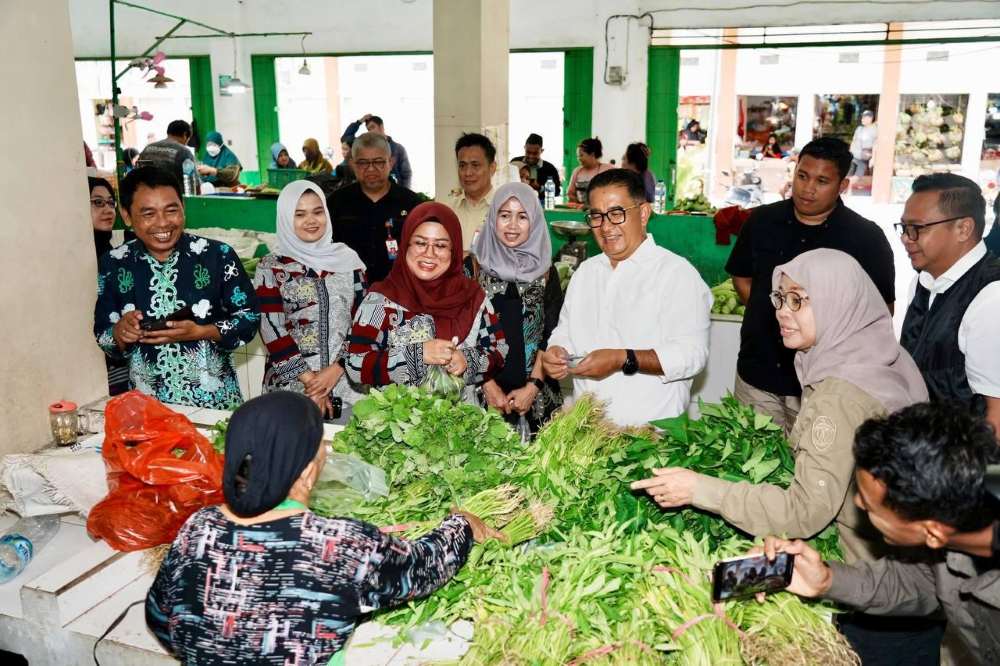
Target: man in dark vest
pixel 952 325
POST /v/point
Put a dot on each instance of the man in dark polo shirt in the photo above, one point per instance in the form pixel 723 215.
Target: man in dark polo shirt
pixel 952 323
pixel 814 217
pixel 368 215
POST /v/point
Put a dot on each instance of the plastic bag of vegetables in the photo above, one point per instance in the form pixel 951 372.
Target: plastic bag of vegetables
pixel 442 383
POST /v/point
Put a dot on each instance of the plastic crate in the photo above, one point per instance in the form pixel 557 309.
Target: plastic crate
pixel 278 178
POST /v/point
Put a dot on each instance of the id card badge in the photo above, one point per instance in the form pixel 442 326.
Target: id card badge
pixel 392 249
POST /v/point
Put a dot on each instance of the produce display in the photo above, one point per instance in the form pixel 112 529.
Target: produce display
pixel 698 203
pixel 591 572
pixel 929 134
pixel 565 272
pixel 726 301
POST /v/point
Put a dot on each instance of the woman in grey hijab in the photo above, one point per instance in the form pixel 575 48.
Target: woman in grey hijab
pixel 511 259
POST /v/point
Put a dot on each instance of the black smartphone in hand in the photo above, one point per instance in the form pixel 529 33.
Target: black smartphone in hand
pixel 751 574
pixel 160 324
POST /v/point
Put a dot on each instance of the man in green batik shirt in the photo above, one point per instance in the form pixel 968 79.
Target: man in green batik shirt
pixel 197 284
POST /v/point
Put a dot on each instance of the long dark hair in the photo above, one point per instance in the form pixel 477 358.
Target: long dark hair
pixel 637 155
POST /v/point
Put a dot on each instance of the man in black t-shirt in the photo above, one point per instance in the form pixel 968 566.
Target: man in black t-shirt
pixel 170 154
pixel 813 218
pixel 540 170
pixel 368 215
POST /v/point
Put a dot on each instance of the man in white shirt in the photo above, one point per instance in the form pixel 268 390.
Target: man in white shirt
pixel 477 162
pixel 637 316
pixel 952 324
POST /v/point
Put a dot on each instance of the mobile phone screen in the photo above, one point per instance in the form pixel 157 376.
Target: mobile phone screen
pixel 746 576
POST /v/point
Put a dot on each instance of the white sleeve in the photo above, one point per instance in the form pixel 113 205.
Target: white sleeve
pixel 560 336
pixel 977 339
pixel 684 324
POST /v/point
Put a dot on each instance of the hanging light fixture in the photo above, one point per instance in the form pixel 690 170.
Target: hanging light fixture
pixel 235 86
pixel 304 69
pixel 161 79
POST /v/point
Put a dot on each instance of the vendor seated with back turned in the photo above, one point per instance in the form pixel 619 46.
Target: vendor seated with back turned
pixel 634 326
pixel 426 313
pixel 197 285
pixel 263 580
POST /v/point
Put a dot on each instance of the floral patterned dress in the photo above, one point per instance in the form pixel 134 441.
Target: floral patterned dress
pixel 305 319
pixel 203 274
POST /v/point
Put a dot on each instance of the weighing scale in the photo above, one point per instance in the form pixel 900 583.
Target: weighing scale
pixel 575 250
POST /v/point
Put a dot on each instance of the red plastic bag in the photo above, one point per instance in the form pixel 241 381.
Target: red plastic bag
pixel 160 471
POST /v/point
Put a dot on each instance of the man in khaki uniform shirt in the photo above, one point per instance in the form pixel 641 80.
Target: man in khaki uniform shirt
pixel 476 156
pixel 920 478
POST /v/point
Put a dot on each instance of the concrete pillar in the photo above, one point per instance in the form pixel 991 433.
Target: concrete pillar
pixel 335 127
pixel 888 109
pixel 471 47
pixel 49 271
pixel 722 130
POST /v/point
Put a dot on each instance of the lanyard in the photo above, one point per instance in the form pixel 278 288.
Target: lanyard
pixel 388 228
pixel 291 504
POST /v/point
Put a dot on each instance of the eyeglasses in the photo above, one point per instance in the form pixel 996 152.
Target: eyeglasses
pixel 912 231
pixel 616 215
pixel 98 202
pixel 364 165
pixel 437 248
pixel 791 299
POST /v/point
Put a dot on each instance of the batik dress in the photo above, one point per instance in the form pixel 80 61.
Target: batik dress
pixel 203 274
pixel 305 320
pixel 288 591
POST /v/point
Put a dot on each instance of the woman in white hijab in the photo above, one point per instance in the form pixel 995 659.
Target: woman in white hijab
pixel 512 261
pixel 308 290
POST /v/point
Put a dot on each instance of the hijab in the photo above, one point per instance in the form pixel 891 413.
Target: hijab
pixel 269 442
pixel 225 157
pixel 320 255
pixel 452 299
pixel 276 149
pixel 320 162
pixel 102 239
pixel 854 335
pixel 526 262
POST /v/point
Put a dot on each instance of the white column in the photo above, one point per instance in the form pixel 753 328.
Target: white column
pixel 975 134
pixel 471 50
pixel 49 271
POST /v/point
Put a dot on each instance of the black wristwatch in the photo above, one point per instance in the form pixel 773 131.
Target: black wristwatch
pixel 539 384
pixel 631 364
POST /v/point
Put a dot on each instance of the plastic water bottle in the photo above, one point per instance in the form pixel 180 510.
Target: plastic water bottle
pixel 22 541
pixel 188 168
pixel 550 194
pixel 660 198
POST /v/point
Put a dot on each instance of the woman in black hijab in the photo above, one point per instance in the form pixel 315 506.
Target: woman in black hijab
pixel 263 580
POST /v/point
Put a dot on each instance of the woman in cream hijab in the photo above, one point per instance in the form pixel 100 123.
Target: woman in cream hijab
pixel 308 289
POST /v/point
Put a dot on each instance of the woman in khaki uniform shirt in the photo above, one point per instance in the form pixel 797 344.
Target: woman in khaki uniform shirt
pixel 851 369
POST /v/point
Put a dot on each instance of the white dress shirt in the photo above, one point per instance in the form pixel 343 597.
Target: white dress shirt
pixel 652 300
pixel 471 215
pixel 980 328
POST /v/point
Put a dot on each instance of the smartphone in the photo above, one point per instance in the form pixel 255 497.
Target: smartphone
pixel 161 323
pixel 746 576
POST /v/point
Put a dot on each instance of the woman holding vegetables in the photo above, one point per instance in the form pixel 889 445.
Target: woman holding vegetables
pixel 851 369
pixel 426 313
pixel 308 290
pixel 512 261
pixel 261 579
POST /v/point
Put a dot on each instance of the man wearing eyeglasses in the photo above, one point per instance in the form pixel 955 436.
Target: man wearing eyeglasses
pixel 633 328
pixel 814 217
pixel 368 215
pixel 952 324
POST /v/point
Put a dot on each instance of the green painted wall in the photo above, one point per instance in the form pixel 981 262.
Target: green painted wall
pixel 662 99
pixel 578 104
pixel 202 104
pixel 265 105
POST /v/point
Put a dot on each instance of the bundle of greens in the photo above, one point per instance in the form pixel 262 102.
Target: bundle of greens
pixel 726 300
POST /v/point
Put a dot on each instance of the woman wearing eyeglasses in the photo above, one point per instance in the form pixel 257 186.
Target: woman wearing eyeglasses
pixel 512 261
pixel 426 312
pixel 102 218
pixel 851 369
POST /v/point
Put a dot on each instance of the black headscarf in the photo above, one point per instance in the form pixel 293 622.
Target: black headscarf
pixel 270 440
pixel 102 239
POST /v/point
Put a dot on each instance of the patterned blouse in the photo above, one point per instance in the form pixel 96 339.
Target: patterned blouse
pixel 305 319
pixel 203 274
pixel 289 591
pixel 386 344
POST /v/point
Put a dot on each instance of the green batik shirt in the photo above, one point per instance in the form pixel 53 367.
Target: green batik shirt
pixel 203 274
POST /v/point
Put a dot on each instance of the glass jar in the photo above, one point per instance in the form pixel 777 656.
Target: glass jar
pixel 64 422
